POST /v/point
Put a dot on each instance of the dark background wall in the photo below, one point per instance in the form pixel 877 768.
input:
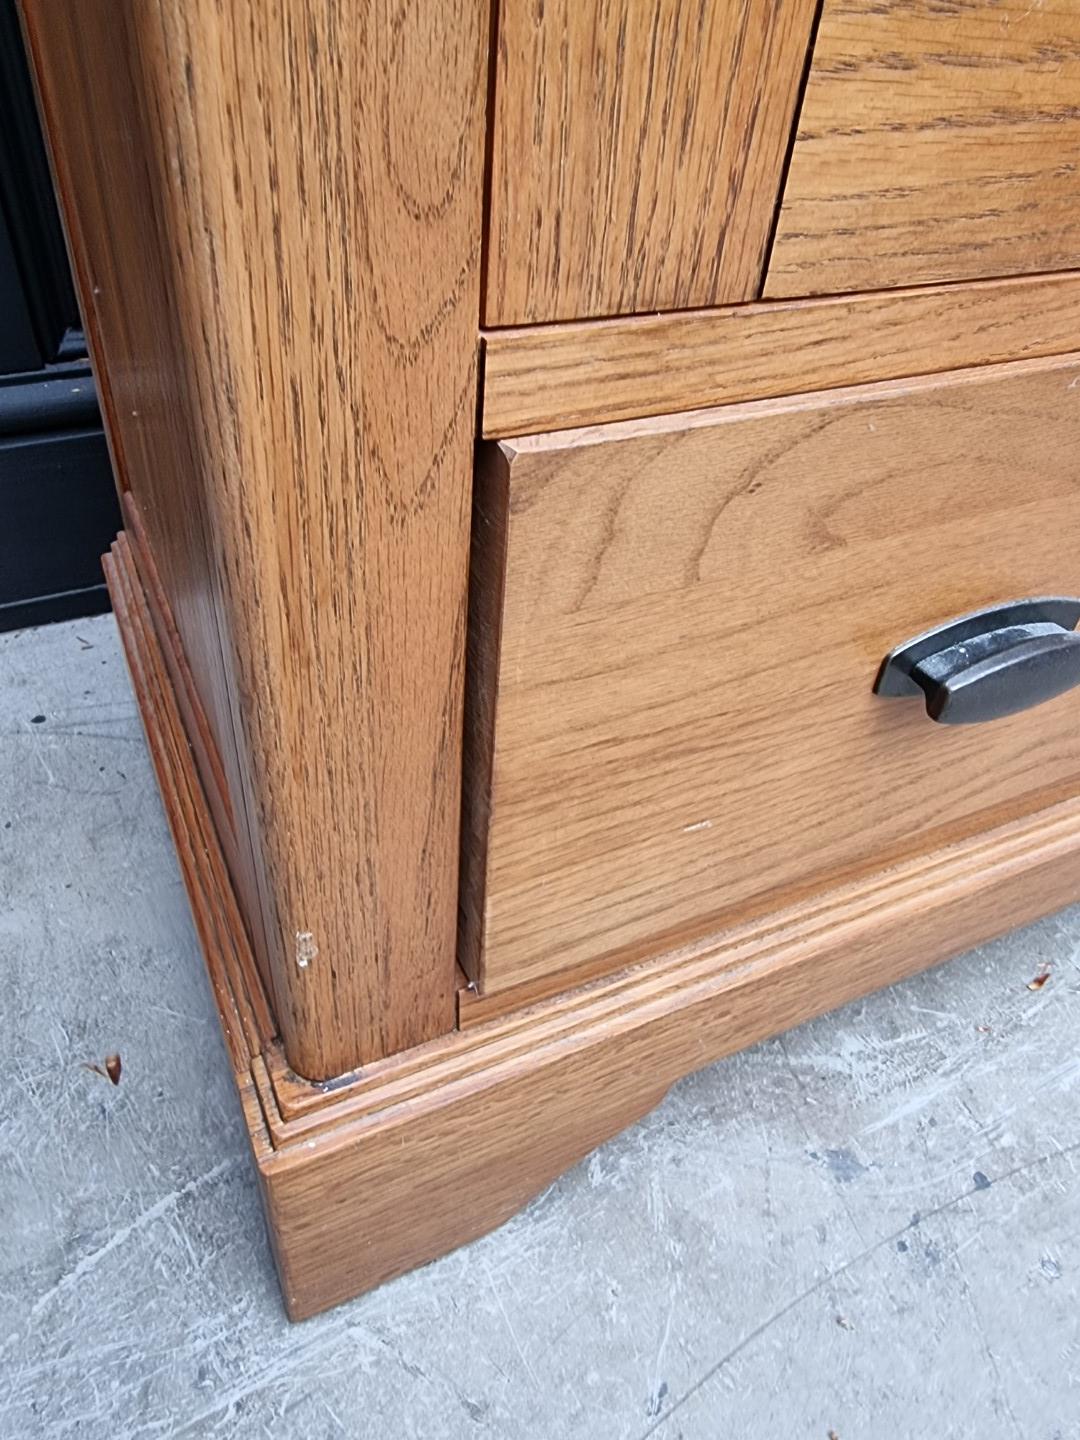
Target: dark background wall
pixel 58 510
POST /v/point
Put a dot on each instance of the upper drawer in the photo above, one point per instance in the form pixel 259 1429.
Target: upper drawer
pixel 935 142
pixel 676 628
pixel 637 152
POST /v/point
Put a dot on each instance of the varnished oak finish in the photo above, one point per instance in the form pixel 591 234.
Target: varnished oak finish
pixel 637 152
pixel 935 142
pixel 555 377
pixel 397 1165
pixel 695 610
pixel 275 215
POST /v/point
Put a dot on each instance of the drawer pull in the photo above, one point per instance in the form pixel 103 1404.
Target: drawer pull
pixel 990 663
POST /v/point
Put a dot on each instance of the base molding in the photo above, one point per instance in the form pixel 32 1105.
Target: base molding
pixel 376 1172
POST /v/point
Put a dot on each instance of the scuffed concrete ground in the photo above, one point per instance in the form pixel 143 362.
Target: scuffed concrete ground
pixel 869 1227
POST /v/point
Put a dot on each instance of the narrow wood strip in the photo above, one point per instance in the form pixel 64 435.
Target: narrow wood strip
pixel 250 982
pixel 232 1025
pixel 487 587
pixel 264 1091
pixel 190 842
pixel 216 913
pixel 555 377
pixel 196 725
pixel 218 890
pixel 232 829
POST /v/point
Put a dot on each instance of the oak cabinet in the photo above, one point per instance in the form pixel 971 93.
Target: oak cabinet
pixel 532 436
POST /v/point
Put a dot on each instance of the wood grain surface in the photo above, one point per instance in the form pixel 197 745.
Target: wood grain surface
pixel 695 610
pixel 554 377
pixel 935 142
pixel 247 1020
pixel 275 212
pixel 637 152
pixel 423 1151
pixel 392 1185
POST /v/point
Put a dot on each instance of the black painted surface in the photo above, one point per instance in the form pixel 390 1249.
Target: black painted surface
pixel 31 219
pixel 60 514
pixel 58 508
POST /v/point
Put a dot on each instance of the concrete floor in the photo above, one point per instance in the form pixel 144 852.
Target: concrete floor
pixel 870 1227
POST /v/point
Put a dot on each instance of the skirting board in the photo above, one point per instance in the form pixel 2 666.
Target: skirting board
pixel 372 1174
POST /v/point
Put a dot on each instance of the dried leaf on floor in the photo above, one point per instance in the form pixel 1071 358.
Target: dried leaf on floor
pixel 109 1071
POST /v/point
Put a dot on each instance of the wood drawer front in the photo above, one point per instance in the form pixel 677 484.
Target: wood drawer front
pixel 675 727
pixel 935 142
pixel 637 152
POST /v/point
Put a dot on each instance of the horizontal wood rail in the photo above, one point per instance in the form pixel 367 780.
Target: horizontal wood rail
pixel 555 377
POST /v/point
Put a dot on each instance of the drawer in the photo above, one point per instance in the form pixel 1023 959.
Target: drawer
pixel 676 627
pixel 935 142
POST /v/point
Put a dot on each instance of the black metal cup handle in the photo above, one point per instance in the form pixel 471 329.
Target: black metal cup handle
pixel 990 663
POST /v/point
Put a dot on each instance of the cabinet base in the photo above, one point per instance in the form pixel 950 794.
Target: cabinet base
pixel 369 1175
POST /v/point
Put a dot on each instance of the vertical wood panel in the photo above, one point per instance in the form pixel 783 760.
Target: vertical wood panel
pixel 275 208
pixel 638 149
pixel 936 142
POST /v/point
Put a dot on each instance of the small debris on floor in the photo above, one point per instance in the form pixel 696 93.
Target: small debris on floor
pixel 844 1322
pixel 37 719
pixel 109 1071
pixel 1039 980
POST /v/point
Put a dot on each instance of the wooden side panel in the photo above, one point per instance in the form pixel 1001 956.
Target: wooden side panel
pixel 275 210
pixel 936 142
pixel 638 150
pixel 695 613
pixel 556 377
